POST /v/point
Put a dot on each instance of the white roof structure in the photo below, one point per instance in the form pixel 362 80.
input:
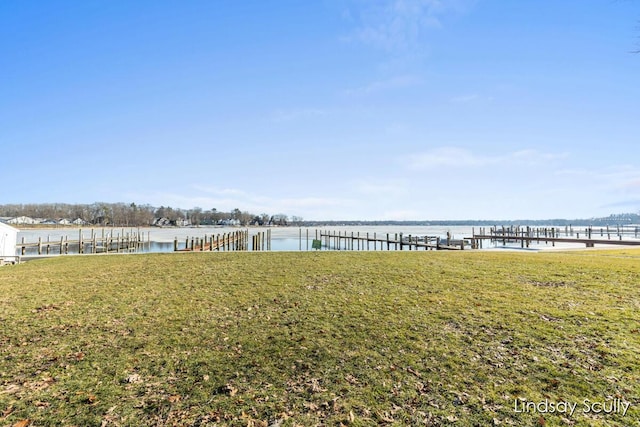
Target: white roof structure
pixel 8 239
pixel 22 220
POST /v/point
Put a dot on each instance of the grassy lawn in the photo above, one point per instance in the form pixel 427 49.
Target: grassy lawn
pixel 286 339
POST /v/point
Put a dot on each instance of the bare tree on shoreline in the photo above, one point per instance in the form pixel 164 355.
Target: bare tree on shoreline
pixel 132 214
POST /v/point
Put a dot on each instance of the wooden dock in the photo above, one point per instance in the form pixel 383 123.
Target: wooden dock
pixel 233 241
pixel 586 235
pixel 366 241
pixel 108 242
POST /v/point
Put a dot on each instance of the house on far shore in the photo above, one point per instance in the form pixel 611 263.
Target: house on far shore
pixel 22 220
pixel 161 222
pixel 64 221
pixel 229 221
pixel 183 223
pixel 8 239
pixel 49 222
pixel 79 221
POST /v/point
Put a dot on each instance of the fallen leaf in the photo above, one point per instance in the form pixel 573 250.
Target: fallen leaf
pixel 11 389
pixel 7 412
pixel 23 423
pixel 414 372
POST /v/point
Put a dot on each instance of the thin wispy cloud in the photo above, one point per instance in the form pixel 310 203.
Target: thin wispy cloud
pixel 398 25
pixel 448 156
pixel 534 157
pixel 395 24
pixel 462 157
pixel 464 99
pixel 393 83
pixel 378 187
pixel 297 114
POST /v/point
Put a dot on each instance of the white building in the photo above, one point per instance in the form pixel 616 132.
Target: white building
pixel 22 220
pixel 8 239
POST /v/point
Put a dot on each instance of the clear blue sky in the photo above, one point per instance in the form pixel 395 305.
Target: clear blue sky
pixel 334 109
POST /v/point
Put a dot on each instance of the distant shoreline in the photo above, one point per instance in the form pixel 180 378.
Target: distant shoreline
pixel 599 222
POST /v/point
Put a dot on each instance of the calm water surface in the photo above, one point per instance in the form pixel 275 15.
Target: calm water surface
pixel 282 238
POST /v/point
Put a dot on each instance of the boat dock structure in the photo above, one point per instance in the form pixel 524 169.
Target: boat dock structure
pixel 136 241
pixel 589 236
pixel 109 242
pixel 397 241
pixel 233 241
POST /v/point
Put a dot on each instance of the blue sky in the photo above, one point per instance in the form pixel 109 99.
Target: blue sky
pixel 334 109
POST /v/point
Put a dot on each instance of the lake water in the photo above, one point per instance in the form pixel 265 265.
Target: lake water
pixel 282 238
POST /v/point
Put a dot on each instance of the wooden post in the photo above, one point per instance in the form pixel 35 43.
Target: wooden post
pixel 39 245
pixel 61 244
pixel 48 244
pixel 175 244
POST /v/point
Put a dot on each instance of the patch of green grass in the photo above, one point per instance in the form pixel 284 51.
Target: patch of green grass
pixel 362 338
